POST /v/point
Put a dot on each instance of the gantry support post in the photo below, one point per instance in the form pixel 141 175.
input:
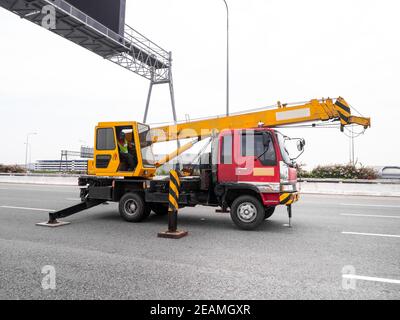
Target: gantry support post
pixel 170 82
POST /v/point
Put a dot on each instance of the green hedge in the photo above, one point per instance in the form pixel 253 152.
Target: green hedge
pixel 339 171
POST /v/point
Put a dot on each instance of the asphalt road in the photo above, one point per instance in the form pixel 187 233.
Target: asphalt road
pixel 99 256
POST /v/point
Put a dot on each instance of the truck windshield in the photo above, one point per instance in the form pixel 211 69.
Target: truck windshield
pixel 146 146
pixel 283 149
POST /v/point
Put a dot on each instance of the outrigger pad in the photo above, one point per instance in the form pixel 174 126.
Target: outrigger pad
pixel 173 235
pixel 53 225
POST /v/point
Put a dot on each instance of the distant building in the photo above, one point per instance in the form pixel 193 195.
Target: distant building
pixel 58 165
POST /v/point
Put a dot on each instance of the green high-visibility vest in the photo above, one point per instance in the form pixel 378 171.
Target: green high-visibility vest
pixel 123 147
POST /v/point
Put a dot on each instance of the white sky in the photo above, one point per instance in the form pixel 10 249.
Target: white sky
pixel 285 50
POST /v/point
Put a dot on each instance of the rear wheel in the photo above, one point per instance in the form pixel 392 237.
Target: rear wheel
pixel 247 212
pixel 160 209
pixel 132 208
pixel 269 211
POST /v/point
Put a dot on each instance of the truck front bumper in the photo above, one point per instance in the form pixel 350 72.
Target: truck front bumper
pixel 282 198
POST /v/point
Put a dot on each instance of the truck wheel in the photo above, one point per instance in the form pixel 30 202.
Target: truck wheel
pixel 132 208
pixel 160 209
pixel 269 211
pixel 247 212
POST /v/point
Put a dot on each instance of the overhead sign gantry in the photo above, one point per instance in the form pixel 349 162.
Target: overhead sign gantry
pixel 123 45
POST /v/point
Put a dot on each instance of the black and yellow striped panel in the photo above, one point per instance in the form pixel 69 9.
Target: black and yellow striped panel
pixel 344 111
pixel 288 198
pixel 285 198
pixel 174 186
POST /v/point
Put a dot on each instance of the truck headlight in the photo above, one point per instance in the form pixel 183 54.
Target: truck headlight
pixel 287 188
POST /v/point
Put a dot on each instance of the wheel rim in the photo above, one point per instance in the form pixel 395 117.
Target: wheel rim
pixel 131 207
pixel 247 212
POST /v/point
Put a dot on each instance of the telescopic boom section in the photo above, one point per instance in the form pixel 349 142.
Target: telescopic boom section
pixel 315 110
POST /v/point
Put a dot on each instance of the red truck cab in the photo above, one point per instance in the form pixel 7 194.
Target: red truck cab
pixel 255 163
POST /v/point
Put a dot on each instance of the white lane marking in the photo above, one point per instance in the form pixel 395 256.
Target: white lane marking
pixel 368 215
pixel 369 205
pixel 351 276
pixel 371 234
pixel 24 208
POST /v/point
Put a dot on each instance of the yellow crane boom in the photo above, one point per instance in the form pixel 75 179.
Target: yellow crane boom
pixel 315 110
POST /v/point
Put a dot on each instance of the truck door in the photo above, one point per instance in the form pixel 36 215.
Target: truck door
pixel 226 168
pixel 257 159
pixel 106 154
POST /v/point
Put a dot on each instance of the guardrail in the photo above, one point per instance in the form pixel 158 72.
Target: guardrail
pixel 307 186
pixel 57 174
pixel 349 181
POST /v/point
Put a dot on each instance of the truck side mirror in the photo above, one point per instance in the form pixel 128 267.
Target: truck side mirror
pixel 300 144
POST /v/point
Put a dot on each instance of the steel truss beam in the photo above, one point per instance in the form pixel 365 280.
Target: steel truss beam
pixel 132 50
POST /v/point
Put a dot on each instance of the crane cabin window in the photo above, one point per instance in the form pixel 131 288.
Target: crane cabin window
pixel 105 139
pixel 146 146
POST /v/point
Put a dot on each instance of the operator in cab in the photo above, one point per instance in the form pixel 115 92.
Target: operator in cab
pixel 124 151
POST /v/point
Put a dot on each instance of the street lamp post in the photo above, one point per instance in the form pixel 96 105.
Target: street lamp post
pixel 227 57
pixel 352 153
pixel 27 147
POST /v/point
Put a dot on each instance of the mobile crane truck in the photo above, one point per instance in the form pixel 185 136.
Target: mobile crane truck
pixel 247 173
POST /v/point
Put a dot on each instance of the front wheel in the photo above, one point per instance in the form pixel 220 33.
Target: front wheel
pixel 247 212
pixel 132 208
